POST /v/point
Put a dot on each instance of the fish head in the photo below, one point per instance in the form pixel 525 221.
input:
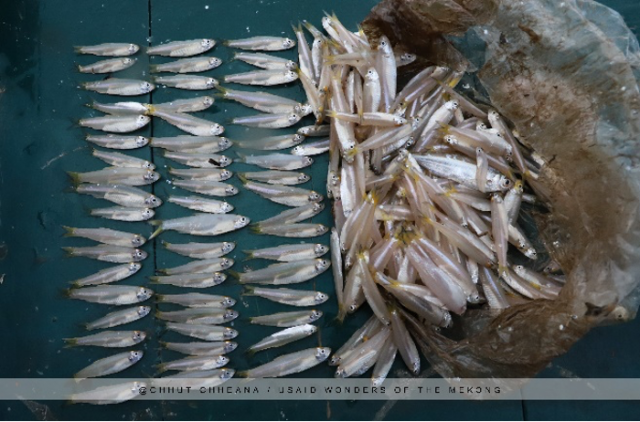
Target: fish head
pixel 317 43
pixel 407 58
pixel 138 255
pixel 146 87
pixel 410 141
pixel 322 353
pixel 450 139
pixel 241 222
pixel 133 48
pixel 398 121
pixel 226 263
pixel 229 333
pixel 137 240
pixel 310 329
pixel 143 293
pixel 207 101
pixel 371 75
pixel 228 247
pixel 147 213
pixel 211 83
pixel 290 76
pixel 224 143
pixel 225 174
pixel 222 360
pixel 216 129
pixel 288 43
pixel 228 302
pixel 135 356
pixel 303 178
pixel 315 197
pixel 148 165
pixel 334 179
pixel 320 249
pixel 142 120
pixel 207 43
pixel 531 253
pixel 141 141
pixel 215 62
pixel 151 176
pixel 137 387
pixel 128 60
pixel 231 190
pixel 320 297
pixel 307 161
pixel 230 315
pixel 153 201
pixel 504 183
pixel 227 373
pixel 138 336
pixel 321 229
pixel 481 126
pixel 291 65
pixel 452 105
pixel 315 315
pixel 226 207
pixel 297 150
pixel 306 109
pixel 519 269
pixel 322 264
pixel 134 267
pixel 352 308
pixel 143 311
pixel 230 346
pixel 219 278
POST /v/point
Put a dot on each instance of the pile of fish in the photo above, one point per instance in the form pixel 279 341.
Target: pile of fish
pixel 427 189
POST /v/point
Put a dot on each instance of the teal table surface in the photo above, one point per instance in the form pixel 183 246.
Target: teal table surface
pixel 39 102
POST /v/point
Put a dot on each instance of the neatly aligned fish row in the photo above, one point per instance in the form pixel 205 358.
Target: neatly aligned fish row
pixel 275 181
pixel 427 188
pixel 121 184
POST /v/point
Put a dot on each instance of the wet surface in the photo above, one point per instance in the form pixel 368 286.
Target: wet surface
pixel 39 101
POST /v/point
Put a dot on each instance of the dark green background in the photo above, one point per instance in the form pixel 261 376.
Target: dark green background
pixel 38 103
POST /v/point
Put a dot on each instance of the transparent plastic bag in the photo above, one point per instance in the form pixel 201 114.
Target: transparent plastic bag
pixel 566 74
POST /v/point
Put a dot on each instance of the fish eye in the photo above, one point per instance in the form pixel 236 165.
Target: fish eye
pixel 302 178
pixel 298 138
pixel 205 42
pixel 309 160
pixel 352 308
pixel 207 101
pixel 230 190
pixel 132 47
pixel 293 117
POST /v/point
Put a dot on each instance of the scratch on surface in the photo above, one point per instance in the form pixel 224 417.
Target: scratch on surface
pixel 48 163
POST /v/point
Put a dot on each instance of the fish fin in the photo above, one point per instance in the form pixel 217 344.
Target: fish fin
pixel 68 231
pixel 250 352
pixel 68 250
pixel 241 156
pixel 151 110
pixel 165 243
pixel 75 178
pixel 70 342
pixel 242 178
pixel 154 279
pixel 249 255
pixel 225 42
pixel 234 274
pixel 248 291
pixel 222 89
pixel 77 49
pixel 153 68
pixel 159 298
pixel 162 270
pixel 243 374
pixel 444 128
pixel 256 229
pixel 161 368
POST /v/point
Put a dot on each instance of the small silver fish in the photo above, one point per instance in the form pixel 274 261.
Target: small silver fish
pixel 182 48
pixel 196 281
pixel 194 363
pixel 272 143
pixel 108 339
pixel 206 187
pixel 107 236
pixel 294 215
pixel 203 332
pixel 276 161
pixel 287 319
pixel 124 213
pixel 188 82
pixel 291 230
pixel 193 125
pixel 286 195
pixel 108 65
pixel 110 365
pixel 280 338
pixel 199 315
pixel 108 253
pixel 127 196
pixel 261 43
pixel 116 124
pixel 122 175
pixel 187 105
pixel 262 77
pixel 197 203
pixel 213 174
pixel 108 49
pixel 286 253
pixel 118 142
pixel 288 296
pixel 192 144
pixel 112 394
pixel 201 250
pixel 268 121
pixel 118 159
pixel 261 101
pixel 291 363
pixel 198 159
pixel 202 224
pixel 111 295
pixel 116 318
pixel 276 177
pixel 198 300
pixel 311 148
pixel 200 266
pixel 265 61
pixel 196 348
pixel 116 86
pixel 285 272
pixel 197 64
pixel 121 108
pixel 109 275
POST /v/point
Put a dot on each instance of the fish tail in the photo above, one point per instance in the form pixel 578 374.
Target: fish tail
pixel 235 274
pixel 161 368
pixel 153 68
pixel 75 178
pixel 222 90
pixel 159 298
pixel 241 156
pixel 225 42
pixel 77 49
pixel 243 374
pixel 250 352
pixel 151 110
pixel 157 232
pixel 249 255
pixel 248 291
pixel 154 279
pixel 69 231
pixel 69 250
pixel 242 178
pixel 162 271
pixel 256 229
pixel 444 128
pixel 502 270
pixel 70 342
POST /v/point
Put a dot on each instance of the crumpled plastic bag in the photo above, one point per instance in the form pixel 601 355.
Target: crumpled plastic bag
pixel 566 74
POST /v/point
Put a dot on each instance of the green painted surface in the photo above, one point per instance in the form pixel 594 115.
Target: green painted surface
pixel 39 101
